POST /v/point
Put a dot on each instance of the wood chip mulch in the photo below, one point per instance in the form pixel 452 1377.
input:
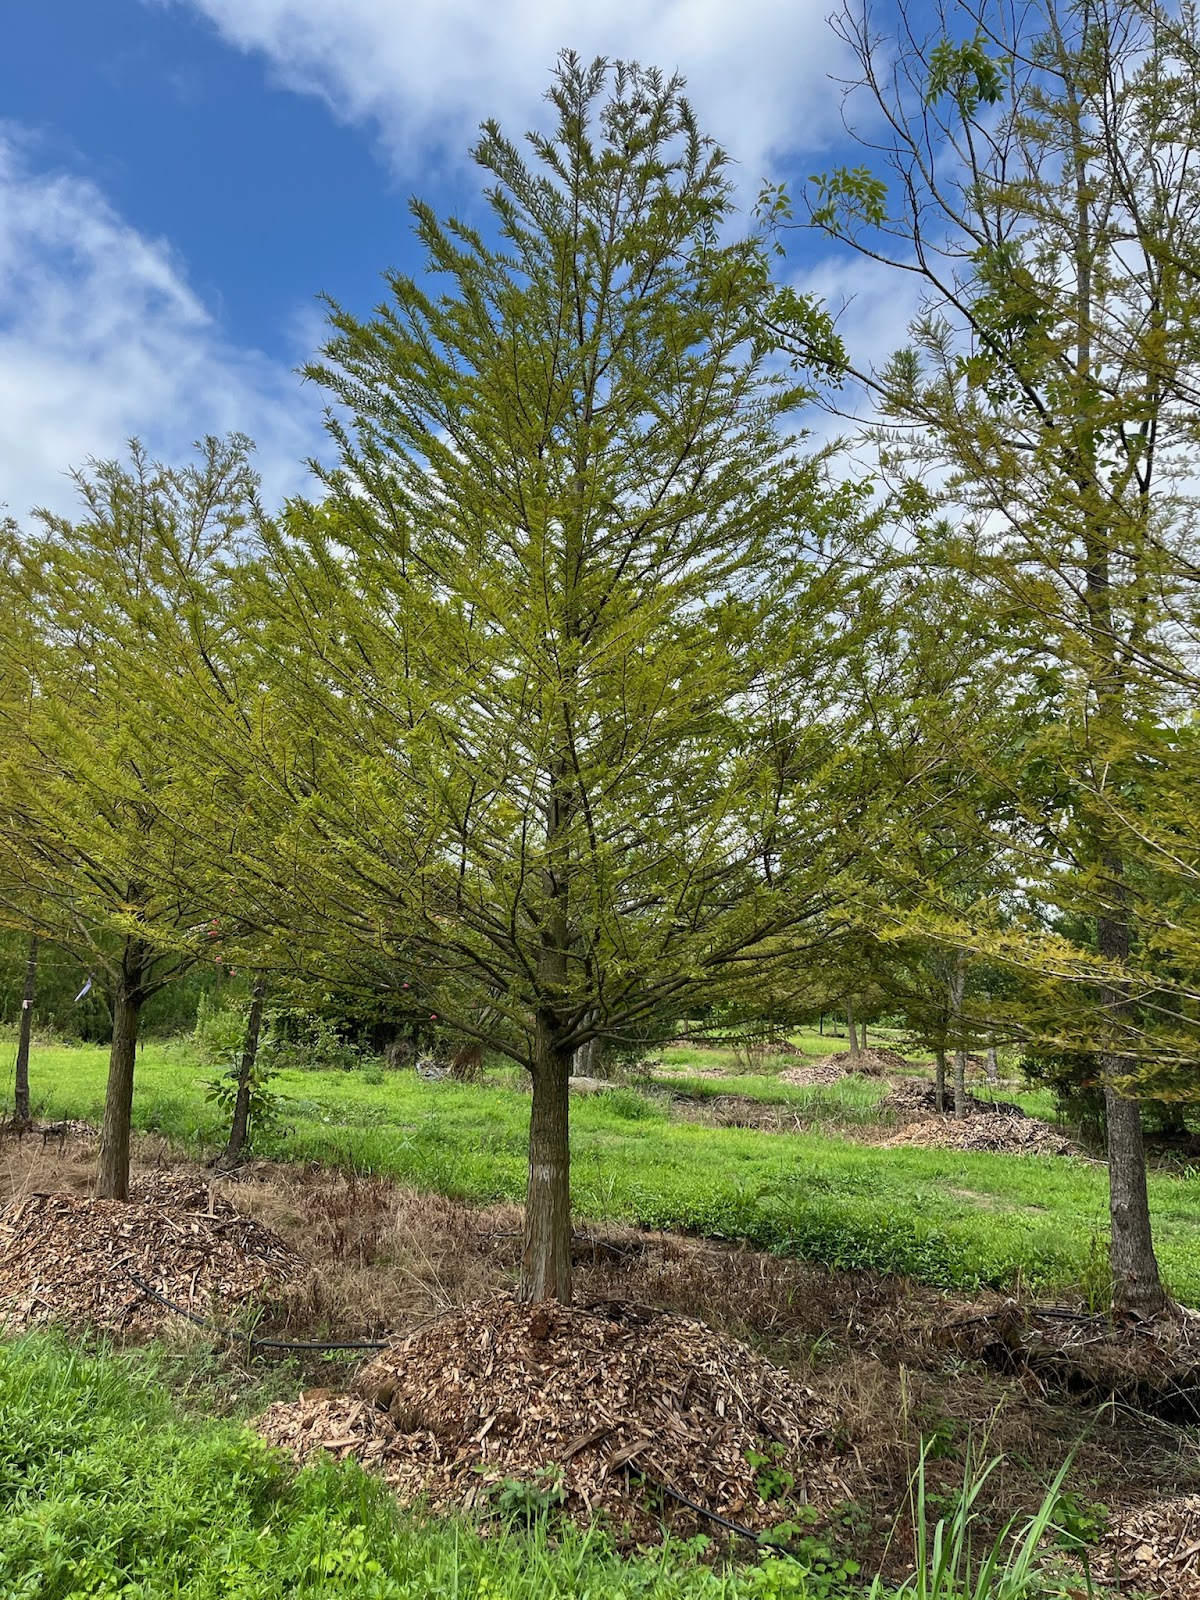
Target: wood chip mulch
pixel 995 1127
pixel 71 1260
pixel 1151 1366
pixel 990 1133
pixel 621 1398
pixel 1154 1550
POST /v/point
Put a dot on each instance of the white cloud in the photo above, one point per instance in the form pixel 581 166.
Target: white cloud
pixel 425 73
pixel 102 338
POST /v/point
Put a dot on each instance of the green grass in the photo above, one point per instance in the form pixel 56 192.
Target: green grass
pixel 944 1217
pixel 851 1099
pixel 107 1488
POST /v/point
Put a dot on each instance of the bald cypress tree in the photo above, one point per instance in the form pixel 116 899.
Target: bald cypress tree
pixel 555 718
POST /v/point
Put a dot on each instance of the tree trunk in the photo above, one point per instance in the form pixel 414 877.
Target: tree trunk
pixel 1137 1286
pixel 960 1084
pixel 958 984
pixel 240 1126
pixel 21 1111
pixel 588 1061
pixel 112 1179
pixel 546 1254
pixel 939 1079
pixel 821 1025
pixel 850 1030
pixel 993 1064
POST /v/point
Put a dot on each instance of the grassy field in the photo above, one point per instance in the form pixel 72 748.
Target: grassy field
pixel 946 1218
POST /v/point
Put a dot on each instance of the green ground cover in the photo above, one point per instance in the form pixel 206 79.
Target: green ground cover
pixel 944 1217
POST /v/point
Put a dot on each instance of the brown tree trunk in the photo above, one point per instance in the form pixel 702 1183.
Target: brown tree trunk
pixel 960 1084
pixel 546 1254
pixel 958 984
pixel 1137 1285
pixel 850 1030
pixel 588 1060
pixel 112 1178
pixel 21 1111
pixel 939 1079
pixel 240 1126
pixel 466 1064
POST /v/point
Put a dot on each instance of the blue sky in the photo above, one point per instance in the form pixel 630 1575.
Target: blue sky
pixel 180 178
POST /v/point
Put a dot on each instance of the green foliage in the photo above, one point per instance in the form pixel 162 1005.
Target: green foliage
pixel 525 1501
pixel 848 195
pixel 299 1040
pixel 220 1038
pixel 948 1565
pixel 967 72
pixel 219 1031
pixel 772 1480
pixel 571 548
pixel 631 1106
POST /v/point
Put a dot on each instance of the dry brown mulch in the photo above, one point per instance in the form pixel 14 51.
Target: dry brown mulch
pixel 1154 1549
pixel 996 1127
pixel 73 1260
pixel 624 1399
pixel 823 1070
pixel 737 1111
pixel 991 1133
pixel 1152 1367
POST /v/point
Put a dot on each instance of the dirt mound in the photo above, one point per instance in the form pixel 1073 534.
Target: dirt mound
pixel 626 1403
pixel 73 1260
pixel 996 1127
pixel 1152 1367
pixel 919 1096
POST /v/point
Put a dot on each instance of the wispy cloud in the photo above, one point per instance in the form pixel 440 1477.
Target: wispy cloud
pixel 102 338
pixel 426 73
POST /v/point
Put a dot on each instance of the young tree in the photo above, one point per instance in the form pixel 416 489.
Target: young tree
pixel 1035 173
pixel 112 604
pixel 557 729
pixel 21 1106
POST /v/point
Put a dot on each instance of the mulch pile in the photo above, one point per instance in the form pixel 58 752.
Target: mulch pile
pixel 72 1260
pixel 996 1127
pixel 832 1069
pixel 626 1401
pixel 737 1111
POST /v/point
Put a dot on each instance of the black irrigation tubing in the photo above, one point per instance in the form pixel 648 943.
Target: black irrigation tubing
pixel 715 1516
pixel 253 1339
